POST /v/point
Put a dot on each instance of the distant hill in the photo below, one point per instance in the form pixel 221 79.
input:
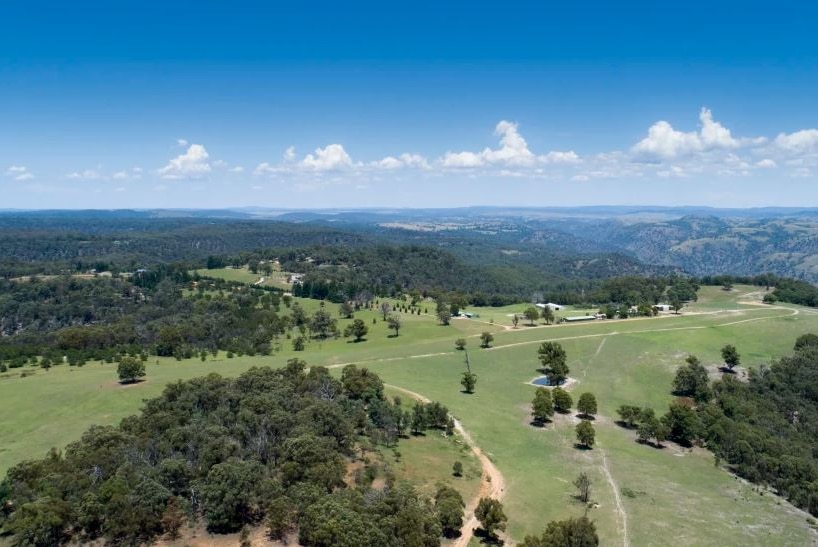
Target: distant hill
pixel 702 245
pixel 568 242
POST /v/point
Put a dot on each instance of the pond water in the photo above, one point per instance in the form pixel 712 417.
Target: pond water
pixel 542 381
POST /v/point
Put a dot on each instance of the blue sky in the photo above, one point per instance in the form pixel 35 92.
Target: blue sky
pixel 217 104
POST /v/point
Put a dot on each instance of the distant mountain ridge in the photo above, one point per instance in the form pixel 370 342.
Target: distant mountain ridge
pixel 695 240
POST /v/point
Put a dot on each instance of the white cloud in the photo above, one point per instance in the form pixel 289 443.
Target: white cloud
pixel 19 172
pixel 513 151
pixel 88 174
pixel 462 159
pixel 560 157
pixel 665 142
pixel 798 142
pixel 673 171
pixel 192 164
pixel 264 168
pixel 513 148
pixel 329 158
pixel 710 149
pixel 404 160
pixel 713 134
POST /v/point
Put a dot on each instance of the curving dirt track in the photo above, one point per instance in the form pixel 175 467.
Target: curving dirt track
pixel 492 483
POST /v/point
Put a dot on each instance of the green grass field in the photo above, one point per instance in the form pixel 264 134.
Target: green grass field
pixel 277 279
pixel 668 496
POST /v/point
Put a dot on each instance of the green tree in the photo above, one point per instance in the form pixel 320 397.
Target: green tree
pixel 443 313
pixel 692 380
pixel 650 427
pixel 542 407
pixel 585 434
pixel 491 516
pixel 173 518
pixel 299 343
pixel 449 507
pixel 532 314
pixel 468 381
pixel 629 414
pixel 573 532
pixel 394 323
pixel 298 316
pixel 583 486
pixel 361 384
pixel 346 309
pixel 419 423
pixel 553 359
pixel 609 311
pixel 806 341
pixel 460 344
pixel 323 325
pixel 279 517
pixel 677 305
pixel 547 315
pixel 682 423
pixel 730 356
pixel 357 328
pixel 486 339
pixel 515 320
pixel 41 523
pixel 562 400
pixel 229 495
pixel 130 370
pixel 332 521
pixel 457 469
pixel 586 405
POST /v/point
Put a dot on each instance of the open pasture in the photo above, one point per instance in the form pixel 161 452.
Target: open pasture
pixel 645 495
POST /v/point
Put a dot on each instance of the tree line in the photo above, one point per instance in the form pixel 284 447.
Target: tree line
pixel 764 429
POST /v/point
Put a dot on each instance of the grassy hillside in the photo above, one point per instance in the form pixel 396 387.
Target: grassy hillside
pixel 665 493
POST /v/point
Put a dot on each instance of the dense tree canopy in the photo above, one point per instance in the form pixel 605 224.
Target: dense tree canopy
pixel 574 532
pixel 766 430
pixel 270 444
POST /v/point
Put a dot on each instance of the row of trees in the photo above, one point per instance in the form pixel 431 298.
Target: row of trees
pixel 546 402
